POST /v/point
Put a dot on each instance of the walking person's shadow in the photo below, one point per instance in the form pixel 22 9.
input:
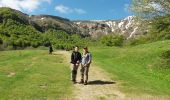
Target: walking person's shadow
pixel 100 82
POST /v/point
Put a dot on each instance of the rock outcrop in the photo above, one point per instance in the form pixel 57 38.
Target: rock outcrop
pixel 128 27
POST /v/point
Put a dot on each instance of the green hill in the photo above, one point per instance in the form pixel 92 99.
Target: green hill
pixel 19 30
pixel 141 69
pixel 41 23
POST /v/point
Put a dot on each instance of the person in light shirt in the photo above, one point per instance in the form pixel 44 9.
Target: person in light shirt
pixel 85 64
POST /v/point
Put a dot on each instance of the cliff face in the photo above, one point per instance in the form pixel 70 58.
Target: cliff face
pixel 127 27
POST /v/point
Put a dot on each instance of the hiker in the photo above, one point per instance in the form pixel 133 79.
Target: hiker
pixel 85 64
pixel 75 62
pixel 50 49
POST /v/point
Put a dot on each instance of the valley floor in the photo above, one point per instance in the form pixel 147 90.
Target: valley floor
pixel 115 74
pixel 102 87
pixel 33 75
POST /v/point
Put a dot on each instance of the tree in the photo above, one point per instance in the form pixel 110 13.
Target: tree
pixel 160 28
pixel 150 8
pixel 155 14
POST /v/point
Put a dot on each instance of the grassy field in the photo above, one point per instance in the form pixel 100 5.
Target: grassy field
pixel 36 75
pixel 136 67
pixel 33 75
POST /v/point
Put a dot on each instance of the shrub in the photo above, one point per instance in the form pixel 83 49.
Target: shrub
pixel 166 54
pixel 112 40
pixel 160 28
pixel 34 44
pixel 137 41
pixel 165 59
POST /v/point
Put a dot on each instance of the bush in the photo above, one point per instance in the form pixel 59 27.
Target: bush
pixel 34 44
pixel 112 40
pixel 69 47
pixel 166 54
pixel 160 28
pixel 165 59
pixel 137 41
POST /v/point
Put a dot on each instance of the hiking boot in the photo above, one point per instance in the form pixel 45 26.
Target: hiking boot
pixel 85 83
pixel 74 82
pixel 82 81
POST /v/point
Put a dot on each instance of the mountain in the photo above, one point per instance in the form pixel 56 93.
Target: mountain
pixel 41 22
pixel 127 27
pixel 54 22
pixel 19 30
pixel 95 28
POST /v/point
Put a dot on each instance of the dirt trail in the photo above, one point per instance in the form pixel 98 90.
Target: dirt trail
pixel 102 87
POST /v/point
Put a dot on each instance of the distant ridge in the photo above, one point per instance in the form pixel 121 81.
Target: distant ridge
pixel 94 28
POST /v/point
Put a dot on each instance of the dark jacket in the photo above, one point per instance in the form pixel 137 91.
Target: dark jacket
pixel 50 49
pixel 75 56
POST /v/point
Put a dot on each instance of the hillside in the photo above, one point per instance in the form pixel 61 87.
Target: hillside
pixel 127 27
pixel 140 69
pixel 41 22
pixel 19 30
pixel 54 22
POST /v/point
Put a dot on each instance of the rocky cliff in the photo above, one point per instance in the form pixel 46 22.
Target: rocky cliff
pixel 128 27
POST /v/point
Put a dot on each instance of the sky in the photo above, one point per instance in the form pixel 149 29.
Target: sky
pixel 73 9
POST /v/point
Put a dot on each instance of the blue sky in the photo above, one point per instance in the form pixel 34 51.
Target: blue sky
pixel 73 9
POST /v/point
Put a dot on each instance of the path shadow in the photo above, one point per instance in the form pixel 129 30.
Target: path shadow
pixel 100 82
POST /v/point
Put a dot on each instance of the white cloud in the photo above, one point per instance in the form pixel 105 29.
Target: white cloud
pixel 63 9
pixel 28 5
pixel 79 11
pixel 67 10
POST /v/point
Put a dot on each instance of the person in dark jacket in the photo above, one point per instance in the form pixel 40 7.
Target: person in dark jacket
pixel 75 62
pixel 50 49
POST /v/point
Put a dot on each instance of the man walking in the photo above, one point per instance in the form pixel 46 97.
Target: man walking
pixel 85 64
pixel 75 61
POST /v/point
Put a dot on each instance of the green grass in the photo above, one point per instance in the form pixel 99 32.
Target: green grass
pixel 136 67
pixel 37 75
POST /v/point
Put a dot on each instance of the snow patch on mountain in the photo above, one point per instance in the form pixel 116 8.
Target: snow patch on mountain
pixel 127 27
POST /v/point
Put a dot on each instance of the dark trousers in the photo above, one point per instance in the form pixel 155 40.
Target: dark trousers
pixel 74 68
